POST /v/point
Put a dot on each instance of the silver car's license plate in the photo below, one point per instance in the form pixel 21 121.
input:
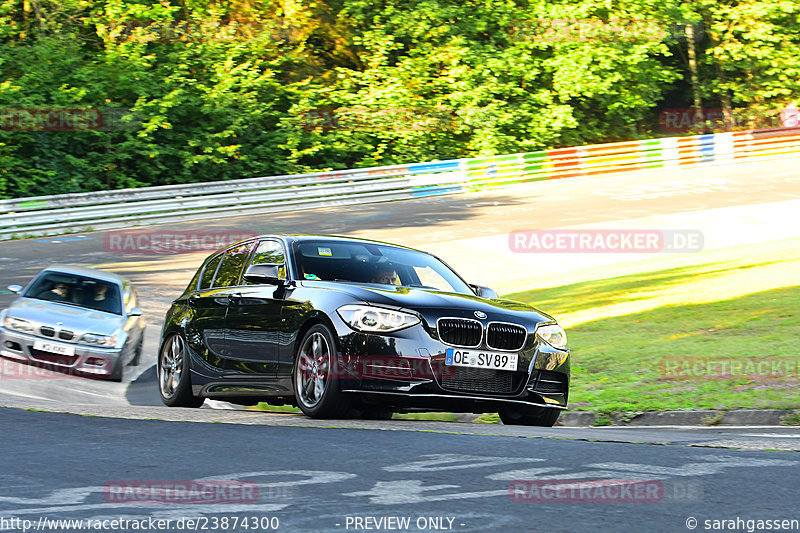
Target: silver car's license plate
pixel 54 347
pixel 480 359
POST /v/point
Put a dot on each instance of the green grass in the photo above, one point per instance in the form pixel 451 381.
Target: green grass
pixel 566 299
pixel 792 418
pixel 274 408
pixel 645 361
pixel 488 418
pixel 441 417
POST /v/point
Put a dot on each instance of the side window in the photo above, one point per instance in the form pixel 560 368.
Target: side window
pixel 192 286
pixel 270 252
pixel 208 273
pixel 232 265
pixel 428 277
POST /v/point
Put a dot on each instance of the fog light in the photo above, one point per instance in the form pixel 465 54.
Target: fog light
pixel 96 361
pixel 11 345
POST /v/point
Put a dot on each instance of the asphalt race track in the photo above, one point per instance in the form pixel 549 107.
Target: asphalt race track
pixel 323 475
pixel 315 479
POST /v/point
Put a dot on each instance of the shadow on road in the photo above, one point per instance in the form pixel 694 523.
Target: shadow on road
pixel 144 389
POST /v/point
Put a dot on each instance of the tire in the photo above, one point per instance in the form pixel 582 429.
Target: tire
pixel 174 380
pixel 317 388
pixel 537 416
pixel 116 373
pixel 137 355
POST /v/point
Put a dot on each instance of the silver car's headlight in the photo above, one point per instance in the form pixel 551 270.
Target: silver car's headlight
pixel 553 334
pixel 18 324
pixel 98 340
pixel 376 319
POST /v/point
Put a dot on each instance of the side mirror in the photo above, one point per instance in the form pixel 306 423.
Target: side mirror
pixel 484 292
pixel 135 312
pixel 266 273
pixel 16 289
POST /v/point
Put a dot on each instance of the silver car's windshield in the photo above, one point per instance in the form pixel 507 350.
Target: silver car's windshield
pixel 71 289
pixel 374 264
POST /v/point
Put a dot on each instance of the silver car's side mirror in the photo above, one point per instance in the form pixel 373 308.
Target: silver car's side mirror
pixel 16 289
pixel 135 312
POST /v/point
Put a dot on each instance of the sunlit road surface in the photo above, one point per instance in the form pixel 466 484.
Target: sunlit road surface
pixel 317 479
pixel 753 207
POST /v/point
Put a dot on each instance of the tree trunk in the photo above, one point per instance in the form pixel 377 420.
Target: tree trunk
pixel 692 49
pixel 725 100
pixel 26 12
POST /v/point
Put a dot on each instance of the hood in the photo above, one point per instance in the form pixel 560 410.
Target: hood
pixel 76 319
pixel 435 303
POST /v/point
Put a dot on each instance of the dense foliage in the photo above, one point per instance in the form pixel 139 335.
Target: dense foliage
pixel 99 94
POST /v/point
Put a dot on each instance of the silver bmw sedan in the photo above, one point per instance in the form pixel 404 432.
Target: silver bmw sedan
pixel 74 320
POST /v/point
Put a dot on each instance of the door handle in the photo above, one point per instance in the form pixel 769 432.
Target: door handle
pixel 235 298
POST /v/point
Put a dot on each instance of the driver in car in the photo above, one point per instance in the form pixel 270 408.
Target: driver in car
pixel 100 300
pixel 385 275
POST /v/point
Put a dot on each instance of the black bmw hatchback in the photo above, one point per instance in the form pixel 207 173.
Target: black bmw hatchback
pixel 347 327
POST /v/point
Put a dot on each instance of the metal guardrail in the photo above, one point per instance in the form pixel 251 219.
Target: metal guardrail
pixel 67 213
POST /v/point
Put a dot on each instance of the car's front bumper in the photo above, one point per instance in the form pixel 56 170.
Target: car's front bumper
pixel 87 360
pixel 408 368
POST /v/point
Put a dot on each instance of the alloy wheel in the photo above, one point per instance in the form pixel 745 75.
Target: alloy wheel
pixel 170 366
pixel 313 370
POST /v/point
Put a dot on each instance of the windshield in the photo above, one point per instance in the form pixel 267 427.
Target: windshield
pixel 76 290
pixel 374 264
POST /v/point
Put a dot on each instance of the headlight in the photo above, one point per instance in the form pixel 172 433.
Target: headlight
pixel 553 334
pixel 18 324
pixel 376 319
pixel 98 340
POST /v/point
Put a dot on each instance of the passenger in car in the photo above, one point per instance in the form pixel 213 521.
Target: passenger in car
pixel 59 293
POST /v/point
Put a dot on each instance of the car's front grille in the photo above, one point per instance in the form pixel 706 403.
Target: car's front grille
pixel 478 380
pixel 64 334
pixel 549 382
pixel 503 336
pixel 460 332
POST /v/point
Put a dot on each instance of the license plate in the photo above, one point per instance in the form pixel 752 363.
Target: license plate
pixel 479 359
pixel 54 347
